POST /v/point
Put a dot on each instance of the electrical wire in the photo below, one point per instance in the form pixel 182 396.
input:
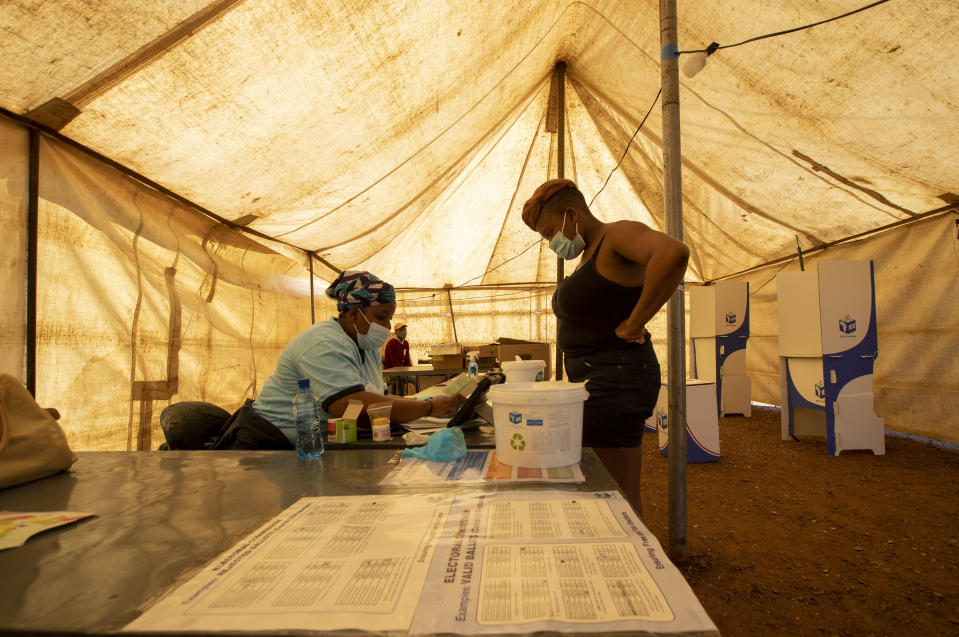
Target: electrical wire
pixel 467 298
pixel 772 35
pixel 500 265
pixel 774 275
pixel 432 296
pixel 656 99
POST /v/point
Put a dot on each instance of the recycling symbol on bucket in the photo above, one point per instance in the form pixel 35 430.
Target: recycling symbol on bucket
pixel 517 442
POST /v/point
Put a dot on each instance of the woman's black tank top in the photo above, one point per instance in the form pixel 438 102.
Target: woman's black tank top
pixel 589 307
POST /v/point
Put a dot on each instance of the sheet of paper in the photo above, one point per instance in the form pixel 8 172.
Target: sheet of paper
pixel 322 564
pixel 475 467
pixel 16 527
pixel 521 562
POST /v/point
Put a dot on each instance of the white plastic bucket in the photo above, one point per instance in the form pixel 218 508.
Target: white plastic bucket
pixel 538 424
pixel 524 371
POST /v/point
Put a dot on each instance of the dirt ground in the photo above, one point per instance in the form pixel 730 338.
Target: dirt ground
pixel 783 539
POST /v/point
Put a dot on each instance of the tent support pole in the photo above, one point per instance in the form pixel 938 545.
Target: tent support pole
pixel 33 226
pixel 559 73
pixel 309 255
pixel 675 308
pixel 449 299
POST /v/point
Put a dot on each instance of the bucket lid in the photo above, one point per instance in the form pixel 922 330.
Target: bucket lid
pixel 553 390
pixel 523 364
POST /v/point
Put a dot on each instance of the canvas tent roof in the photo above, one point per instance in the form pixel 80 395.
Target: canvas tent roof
pixel 403 137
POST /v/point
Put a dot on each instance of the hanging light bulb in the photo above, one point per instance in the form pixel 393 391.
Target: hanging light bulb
pixel 695 62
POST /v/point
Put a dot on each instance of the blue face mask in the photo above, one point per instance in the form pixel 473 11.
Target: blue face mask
pixel 567 248
pixel 375 335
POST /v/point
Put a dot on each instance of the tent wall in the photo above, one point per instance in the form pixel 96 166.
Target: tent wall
pixel 916 269
pixel 142 301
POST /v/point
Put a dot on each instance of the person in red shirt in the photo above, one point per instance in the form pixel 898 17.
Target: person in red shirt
pixel 397 349
pixel 397 354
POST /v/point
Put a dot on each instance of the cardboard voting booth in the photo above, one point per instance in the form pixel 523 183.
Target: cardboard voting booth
pixel 827 348
pixel 718 332
pixel 702 421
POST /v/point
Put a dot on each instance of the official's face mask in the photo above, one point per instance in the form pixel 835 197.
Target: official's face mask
pixel 375 336
pixel 567 248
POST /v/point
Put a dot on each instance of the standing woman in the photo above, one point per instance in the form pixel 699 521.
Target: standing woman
pixel 628 271
pixel 341 358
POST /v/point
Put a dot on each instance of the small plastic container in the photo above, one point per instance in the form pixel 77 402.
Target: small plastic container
pixel 379 414
pixel 524 371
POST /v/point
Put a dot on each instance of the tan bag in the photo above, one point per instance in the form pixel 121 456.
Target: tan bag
pixel 32 444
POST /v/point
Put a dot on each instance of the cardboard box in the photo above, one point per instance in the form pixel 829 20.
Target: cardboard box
pixel 482 351
pixel 346 426
pixel 527 352
pixel 446 349
pixel 449 362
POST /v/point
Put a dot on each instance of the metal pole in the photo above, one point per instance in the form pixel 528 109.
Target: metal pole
pixel 560 76
pixel 309 255
pixel 33 224
pixel 675 308
pixel 449 298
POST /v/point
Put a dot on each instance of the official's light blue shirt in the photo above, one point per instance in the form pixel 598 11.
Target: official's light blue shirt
pixel 326 355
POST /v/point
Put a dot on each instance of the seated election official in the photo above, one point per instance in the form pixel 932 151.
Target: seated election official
pixel 397 349
pixel 341 358
pixel 397 354
pixel 627 272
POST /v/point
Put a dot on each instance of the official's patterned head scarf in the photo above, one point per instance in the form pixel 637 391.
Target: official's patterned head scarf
pixel 534 205
pixel 359 288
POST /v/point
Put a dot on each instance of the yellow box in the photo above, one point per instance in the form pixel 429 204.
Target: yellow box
pixel 346 426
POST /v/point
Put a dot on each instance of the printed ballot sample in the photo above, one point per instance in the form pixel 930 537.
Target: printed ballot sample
pixel 330 563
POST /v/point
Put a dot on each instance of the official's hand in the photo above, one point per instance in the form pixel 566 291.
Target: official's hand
pixel 631 332
pixel 444 404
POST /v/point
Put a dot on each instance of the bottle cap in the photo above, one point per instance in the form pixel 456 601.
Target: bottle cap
pixel 303 383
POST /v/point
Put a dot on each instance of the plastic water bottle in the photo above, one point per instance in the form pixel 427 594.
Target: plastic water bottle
pixel 473 367
pixel 306 416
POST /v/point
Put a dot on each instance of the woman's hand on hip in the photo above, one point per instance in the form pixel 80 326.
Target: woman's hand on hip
pixel 631 332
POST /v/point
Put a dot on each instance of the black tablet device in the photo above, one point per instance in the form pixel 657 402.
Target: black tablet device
pixel 468 409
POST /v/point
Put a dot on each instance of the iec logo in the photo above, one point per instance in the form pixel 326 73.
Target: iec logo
pixel 661 420
pixel 847 324
pixel 730 318
pixel 515 418
pixel 820 390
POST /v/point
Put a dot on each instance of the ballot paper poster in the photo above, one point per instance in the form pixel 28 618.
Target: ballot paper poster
pixel 322 564
pixel 552 561
pixel 16 527
pixel 480 563
pixel 475 467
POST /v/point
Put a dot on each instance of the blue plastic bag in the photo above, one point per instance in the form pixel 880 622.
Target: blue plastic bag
pixel 447 445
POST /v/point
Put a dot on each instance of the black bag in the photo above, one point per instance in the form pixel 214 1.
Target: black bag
pixel 247 429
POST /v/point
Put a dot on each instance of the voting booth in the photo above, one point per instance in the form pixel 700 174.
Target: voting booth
pixel 702 421
pixel 827 347
pixel 718 331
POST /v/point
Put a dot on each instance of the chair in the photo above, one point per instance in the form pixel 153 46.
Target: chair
pixel 192 424
pixel 401 386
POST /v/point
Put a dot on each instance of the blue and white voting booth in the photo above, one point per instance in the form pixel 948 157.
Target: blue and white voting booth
pixel 702 422
pixel 718 332
pixel 827 347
